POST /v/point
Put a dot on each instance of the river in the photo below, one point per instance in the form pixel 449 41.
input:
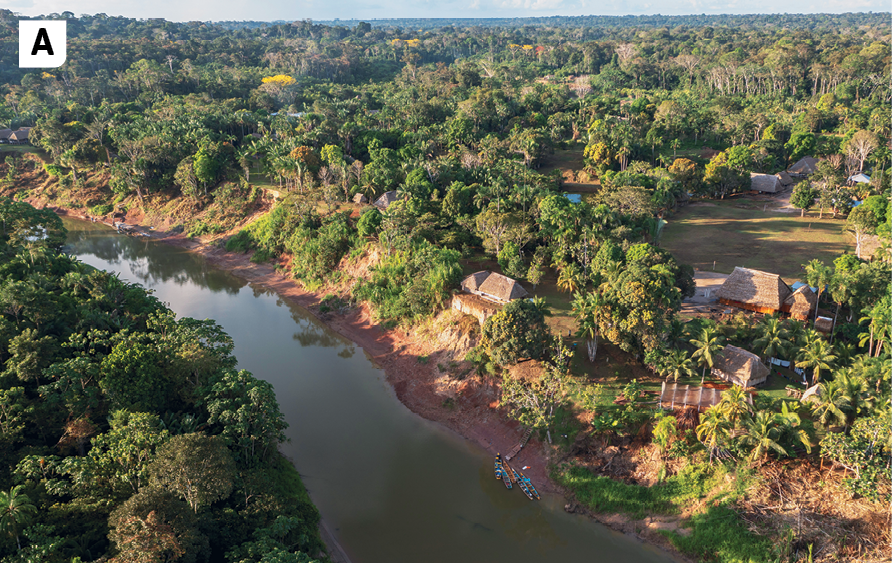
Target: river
pixel 392 486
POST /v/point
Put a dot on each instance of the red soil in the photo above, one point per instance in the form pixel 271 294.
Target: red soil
pixel 473 412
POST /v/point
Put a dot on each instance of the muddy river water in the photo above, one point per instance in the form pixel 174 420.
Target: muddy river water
pixel 390 485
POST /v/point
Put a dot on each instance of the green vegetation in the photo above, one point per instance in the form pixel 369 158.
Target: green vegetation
pixel 126 427
pixel 716 534
pixel 471 132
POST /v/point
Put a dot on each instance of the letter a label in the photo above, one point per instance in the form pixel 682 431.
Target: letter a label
pixel 42 44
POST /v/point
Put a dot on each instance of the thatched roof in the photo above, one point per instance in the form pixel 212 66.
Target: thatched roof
pixel 754 287
pixel 5 133
pixel 806 165
pixel 823 324
pixel 20 135
pixel 360 198
pixel 740 366
pixel 764 183
pixel 385 200
pixel 493 285
pixel 801 302
pixel 784 178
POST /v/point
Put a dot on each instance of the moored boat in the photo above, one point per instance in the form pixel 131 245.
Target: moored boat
pixel 528 487
pixel 501 472
pixel 521 482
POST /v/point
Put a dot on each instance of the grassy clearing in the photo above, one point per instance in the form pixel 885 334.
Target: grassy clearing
pixel 19 150
pixel 740 233
pixel 716 532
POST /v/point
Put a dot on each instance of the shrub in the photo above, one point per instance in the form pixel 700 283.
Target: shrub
pixel 101 210
pixel 411 282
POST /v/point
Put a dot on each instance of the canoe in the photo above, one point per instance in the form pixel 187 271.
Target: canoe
pixel 528 487
pixel 501 473
pixel 523 483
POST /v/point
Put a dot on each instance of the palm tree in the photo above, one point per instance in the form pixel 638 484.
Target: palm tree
pixel 795 334
pixel 829 404
pixel 774 339
pixel 854 390
pixel 586 308
pixel 678 364
pixel 818 275
pixel 734 406
pixel 789 425
pixel 570 278
pixel 762 435
pixel 707 346
pixel 817 355
pixel 675 334
pixel 15 512
pixel 713 430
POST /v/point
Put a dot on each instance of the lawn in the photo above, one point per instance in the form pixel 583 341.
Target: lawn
pixel 741 233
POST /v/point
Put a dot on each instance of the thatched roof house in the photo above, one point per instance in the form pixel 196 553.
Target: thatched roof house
pixel 4 135
pixel 740 367
pixel 784 178
pixel 674 396
pixel 824 324
pixel 767 183
pixel 360 198
pixel 754 290
pixel 19 136
pixel 385 200
pixel 806 165
pixel 800 303
pixel 493 286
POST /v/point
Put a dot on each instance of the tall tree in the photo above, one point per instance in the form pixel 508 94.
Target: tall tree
pixel 16 511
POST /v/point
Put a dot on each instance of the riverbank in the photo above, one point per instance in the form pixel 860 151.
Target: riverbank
pixel 468 406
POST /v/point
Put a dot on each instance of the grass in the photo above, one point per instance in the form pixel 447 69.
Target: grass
pixel 716 533
pixel 19 149
pixel 740 233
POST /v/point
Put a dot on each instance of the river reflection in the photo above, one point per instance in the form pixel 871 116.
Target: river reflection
pixel 396 488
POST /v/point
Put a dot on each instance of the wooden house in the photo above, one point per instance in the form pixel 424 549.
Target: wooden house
pixel 493 286
pixel 754 290
pixel 19 136
pixel 801 303
pixel 766 183
pixel 824 324
pixel 740 367
pixel 385 200
pixel 764 292
pixel 805 166
pixel 785 179
pixel 476 306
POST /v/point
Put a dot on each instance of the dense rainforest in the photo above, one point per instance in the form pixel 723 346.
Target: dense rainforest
pixel 455 124
pixel 127 431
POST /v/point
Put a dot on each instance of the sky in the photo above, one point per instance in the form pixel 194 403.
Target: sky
pixel 268 10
